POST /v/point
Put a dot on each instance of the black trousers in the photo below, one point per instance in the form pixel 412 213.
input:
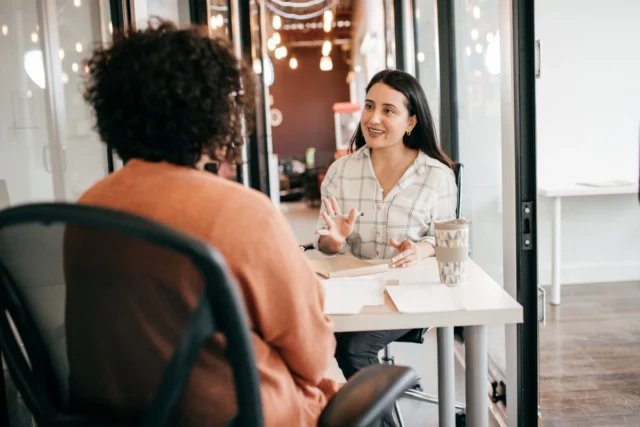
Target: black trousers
pixel 357 350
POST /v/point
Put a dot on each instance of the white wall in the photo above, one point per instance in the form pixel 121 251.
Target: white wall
pixel 588 121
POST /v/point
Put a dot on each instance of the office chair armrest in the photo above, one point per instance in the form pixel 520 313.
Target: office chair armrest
pixel 367 395
pixel 306 247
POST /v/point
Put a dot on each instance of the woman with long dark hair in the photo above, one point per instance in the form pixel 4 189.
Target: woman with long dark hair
pixel 395 184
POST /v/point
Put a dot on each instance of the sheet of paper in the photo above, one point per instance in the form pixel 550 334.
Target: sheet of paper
pixel 367 290
pixel 424 298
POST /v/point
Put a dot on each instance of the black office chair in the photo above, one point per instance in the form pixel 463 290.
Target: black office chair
pixel 35 242
pixel 417 335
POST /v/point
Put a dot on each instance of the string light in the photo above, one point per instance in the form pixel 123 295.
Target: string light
pixel 293 63
pixel 5 30
pixel 277 22
pixel 326 48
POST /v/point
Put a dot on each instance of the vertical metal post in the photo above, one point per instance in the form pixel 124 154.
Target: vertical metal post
pixel 236 39
pixel 446 378
pixel 448 79
pixel 54 94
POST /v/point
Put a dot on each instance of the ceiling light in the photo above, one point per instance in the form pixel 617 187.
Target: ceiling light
pixel 34 37
pixel 34 66
pixel 79 47
pixel 276 38
pixel 271 44
pixel 479 48
pixel 326 48
pixel 61 53
pixel 277 22
pixel 326 64
pixel 74 67
pixel 476 12
pixel 474 34
pixel 77 3
pixel 5 30
pixel 293 63
pixel 327 21
pixel 257 66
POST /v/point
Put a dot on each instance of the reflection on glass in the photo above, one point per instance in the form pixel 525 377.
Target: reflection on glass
pixel 25 173
pixel 219 18
pixel 84 160
pixel 428 61
pixel 479 129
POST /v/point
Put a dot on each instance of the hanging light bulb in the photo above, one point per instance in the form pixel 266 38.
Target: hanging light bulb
pixel 326 48
pixel 277 22
pixel 327 21
pixel 326 64
pixel 293 63
pixel 257 66
pixel 276 38
pixel 213 23
pixel 271 44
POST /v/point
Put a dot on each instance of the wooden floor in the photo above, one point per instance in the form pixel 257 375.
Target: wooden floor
pixel 590 357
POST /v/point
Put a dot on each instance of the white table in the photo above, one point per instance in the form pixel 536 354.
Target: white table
pixel 556 193
pixel 485 303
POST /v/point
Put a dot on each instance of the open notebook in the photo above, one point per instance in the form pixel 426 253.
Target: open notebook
pixel 345 266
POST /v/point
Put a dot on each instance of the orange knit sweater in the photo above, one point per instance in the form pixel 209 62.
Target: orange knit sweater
pixel 293 340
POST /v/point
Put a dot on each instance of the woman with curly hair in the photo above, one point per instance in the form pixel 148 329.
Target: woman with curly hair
pixel 167 100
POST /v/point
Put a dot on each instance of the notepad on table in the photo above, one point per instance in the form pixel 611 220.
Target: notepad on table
pixel 345 266
pixel 424 298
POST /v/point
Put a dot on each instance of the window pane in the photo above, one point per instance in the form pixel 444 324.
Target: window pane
pixel 25 168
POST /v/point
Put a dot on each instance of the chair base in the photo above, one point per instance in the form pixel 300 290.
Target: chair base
pixel 424 397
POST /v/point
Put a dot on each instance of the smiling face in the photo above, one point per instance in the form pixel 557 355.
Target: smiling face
pixel 385 118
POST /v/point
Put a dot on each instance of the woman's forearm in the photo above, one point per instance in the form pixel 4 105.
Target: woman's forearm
pixel 425 249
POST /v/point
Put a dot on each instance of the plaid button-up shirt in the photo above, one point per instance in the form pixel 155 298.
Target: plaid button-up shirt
pixel 425 194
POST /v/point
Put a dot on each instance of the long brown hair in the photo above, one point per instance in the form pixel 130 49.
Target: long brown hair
pixel 424 136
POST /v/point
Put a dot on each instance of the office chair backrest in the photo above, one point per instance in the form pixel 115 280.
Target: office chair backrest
pixel 105 313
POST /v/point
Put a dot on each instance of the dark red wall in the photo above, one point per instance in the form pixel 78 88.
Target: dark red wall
pixel 305 97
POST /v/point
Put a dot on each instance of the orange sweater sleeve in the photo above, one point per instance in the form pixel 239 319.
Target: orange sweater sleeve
pixel 284 297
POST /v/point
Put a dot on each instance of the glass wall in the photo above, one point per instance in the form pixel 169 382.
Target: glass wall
pixel 172 10
pixel 477 50
pixel 427 58
pixel 48 148
pixel 83 154
pixel 24 140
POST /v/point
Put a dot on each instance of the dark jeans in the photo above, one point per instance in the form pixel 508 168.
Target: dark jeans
pixel 357 350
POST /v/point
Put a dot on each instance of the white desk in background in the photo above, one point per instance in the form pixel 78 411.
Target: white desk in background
pixel 485 303
pixel 556 193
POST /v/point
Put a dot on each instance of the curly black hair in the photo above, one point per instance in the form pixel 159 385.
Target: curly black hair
pixel 169 94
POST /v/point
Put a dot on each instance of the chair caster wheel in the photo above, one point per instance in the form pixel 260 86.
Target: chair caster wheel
pixel 461 419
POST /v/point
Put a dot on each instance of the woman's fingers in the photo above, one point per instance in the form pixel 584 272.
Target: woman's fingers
pixel 327 206
pixel 328 221
pixel 352 216
pixel 334 204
